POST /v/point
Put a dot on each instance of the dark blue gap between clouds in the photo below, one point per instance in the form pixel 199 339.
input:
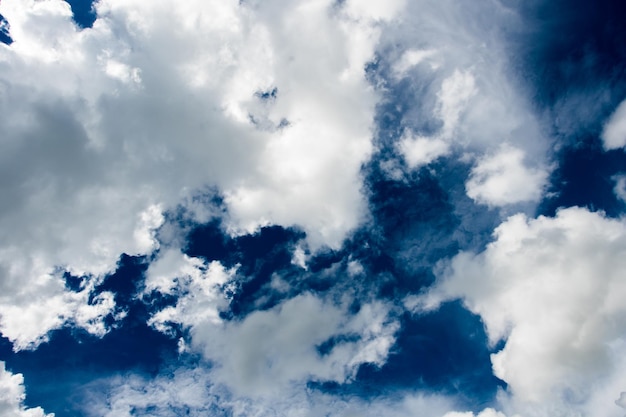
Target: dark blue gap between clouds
pixel 572 59
pixel 5 36
pixel 83 12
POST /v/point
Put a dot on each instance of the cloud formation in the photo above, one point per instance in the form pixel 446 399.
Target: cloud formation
pixel 552 290
pixel 504 178
pixel 614 133
pixel 105 129
pixel 262 206
pixel 12 396
pixel 468 99
pixel 191 391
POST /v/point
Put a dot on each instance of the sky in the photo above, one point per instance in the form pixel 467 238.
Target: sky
pixel 312 208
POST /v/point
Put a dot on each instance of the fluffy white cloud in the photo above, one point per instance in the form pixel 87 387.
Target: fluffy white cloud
pixel 104 129
pixel 614 132
pixel 504 178
pixel 12 396
pixel 452 100
pixel 454 54
pixel 420 150
pixel 487 412
pixel 29 313
pixel 201 289
pixel 553 289
pixel 303 339
pixel 281 344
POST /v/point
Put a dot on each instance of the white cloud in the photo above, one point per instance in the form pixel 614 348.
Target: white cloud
pixel 455 92
pixel 614 132
pixel 620 187
pixel 420 150
pixel 12 395
pixel 200 287
pixel 170 395
pixel 452 101
pixel 607 398
pixel 280 345
pixel 193 392
pixel 104 129
pixel 487 412
pixel 469 101
pixel 504 178
pixel 29 313
pixel 553 289
pixel 410 59
pixel 355 268
pixel 299 257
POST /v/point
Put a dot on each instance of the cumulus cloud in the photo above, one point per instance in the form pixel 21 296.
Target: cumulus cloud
pixel 470 103
pixel 504 178
pixel 452 99
pixel 12 395
pixel 104 129
pixel 553 290
pixel 284 345
pixel 201 289
pixel 614 132
pixel 184 391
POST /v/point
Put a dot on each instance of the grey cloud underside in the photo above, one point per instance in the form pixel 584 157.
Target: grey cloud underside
pixel 308 208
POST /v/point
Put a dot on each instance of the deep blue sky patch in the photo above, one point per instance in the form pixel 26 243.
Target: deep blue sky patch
pixel 584 178
pixel 83 12
pixel 5 35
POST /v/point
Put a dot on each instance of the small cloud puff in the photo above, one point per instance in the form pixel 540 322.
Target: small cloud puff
pixel 505 178
pixel 12 396
pixel 614 132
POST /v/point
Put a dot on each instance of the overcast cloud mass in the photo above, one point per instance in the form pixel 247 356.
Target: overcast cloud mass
pixel 312 208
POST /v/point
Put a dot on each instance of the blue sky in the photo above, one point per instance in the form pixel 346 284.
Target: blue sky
pixel 312 208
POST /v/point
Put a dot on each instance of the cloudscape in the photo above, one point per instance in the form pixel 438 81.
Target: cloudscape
pixel 312 208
